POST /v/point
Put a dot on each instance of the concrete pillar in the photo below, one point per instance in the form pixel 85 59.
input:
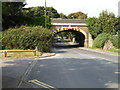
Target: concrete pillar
pixel 73 40
pixel 86 43
pixel 90 43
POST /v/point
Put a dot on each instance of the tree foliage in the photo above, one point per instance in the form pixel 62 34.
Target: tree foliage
pixel 92 26
pixel 63 16
pixel 105 23
pixel 100 40
pixel 77 15
pixel 27 37
pixel 11 14
pixel 14 15
pixel 40 11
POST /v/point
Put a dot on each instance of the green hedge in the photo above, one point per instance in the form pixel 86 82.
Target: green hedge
pixel 100 40
pixel 27 37
pixel 115 40
pixel 0 40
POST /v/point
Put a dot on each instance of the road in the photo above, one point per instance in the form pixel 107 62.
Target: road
pixel 72 67
pixel 75 68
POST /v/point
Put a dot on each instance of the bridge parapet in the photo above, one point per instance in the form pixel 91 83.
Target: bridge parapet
pixel 72 22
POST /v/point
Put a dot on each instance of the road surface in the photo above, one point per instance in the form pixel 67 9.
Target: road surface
pixel 73 67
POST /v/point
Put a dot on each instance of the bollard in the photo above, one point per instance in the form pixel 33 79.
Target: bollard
pixel 34 52
pixel 5 53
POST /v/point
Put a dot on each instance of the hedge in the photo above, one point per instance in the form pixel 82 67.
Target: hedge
pixel 100 40
pixel 115 40
pixel 27 37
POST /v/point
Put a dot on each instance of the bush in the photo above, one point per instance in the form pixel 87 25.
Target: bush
pixel 27 37
pixel 115 41
pixel 100 40
pixel 0 40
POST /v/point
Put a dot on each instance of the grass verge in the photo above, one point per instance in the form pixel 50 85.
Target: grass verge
pixel 111 50
pixel 114 50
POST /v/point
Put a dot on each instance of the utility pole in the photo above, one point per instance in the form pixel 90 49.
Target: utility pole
pixel 45 14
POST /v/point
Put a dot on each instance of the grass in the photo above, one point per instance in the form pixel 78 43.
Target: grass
pixel 94 48
pixel 12 55
pixel 111 50
pixel 114 50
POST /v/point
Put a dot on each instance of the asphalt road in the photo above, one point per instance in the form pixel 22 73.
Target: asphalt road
pixel 73 67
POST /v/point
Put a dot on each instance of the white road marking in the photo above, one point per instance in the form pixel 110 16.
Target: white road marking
pixel 27 72
pixel 39 83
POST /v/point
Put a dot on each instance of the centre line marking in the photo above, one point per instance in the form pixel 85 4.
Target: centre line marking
pixel 43 84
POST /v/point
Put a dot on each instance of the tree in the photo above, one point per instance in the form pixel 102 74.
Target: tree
pixel 63 16
pixel 105 23
pixel 11 14
pixel 39 11
pixel 35 16
pixel 52 12
pixel 92 24
pixel 77 15
pixel 108 22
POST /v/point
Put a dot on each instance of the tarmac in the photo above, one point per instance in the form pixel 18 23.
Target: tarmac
pixel 101 51
pixel 13 70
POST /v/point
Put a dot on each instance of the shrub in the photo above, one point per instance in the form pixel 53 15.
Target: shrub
pixel 0 40
pixel 28 37
pixel 100 40
pixel 115 41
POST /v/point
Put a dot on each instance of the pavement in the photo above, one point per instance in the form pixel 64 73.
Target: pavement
pixel 98 50
pixel 101 51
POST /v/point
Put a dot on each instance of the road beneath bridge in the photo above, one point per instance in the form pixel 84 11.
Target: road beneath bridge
pixel 73 67
pixel 76 68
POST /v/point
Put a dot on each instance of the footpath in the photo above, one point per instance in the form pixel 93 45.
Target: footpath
pixel 98 50
pixel 101 51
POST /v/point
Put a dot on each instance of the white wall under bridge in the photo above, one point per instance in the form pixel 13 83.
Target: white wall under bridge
pixel 83 30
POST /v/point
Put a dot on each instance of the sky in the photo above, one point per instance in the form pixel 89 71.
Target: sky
pixel 90 7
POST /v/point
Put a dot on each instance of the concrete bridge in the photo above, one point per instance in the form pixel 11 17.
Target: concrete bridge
pixel 73 25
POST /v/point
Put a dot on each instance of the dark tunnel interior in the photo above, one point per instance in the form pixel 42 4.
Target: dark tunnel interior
pixel 79 36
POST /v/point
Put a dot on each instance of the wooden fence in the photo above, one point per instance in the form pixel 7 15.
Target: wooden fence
pixel 9 51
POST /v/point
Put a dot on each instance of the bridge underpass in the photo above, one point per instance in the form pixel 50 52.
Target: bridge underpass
pixel 76 26
pixel 78 37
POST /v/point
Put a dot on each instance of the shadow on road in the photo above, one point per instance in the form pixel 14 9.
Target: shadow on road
pixel 55 70
pixel 66 46
pixel 75 73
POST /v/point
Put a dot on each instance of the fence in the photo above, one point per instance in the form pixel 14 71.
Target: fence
pixel 9 51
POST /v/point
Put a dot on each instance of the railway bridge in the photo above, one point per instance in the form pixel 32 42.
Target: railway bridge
pixel 73 25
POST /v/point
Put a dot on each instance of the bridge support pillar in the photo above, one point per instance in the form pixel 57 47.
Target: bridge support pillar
pixel 86 43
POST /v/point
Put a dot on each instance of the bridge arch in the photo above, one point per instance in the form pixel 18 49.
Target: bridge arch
pixel 81 34
pixel 75 29
pixel 77 25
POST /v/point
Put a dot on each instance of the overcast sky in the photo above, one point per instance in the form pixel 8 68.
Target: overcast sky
pixel 90 7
